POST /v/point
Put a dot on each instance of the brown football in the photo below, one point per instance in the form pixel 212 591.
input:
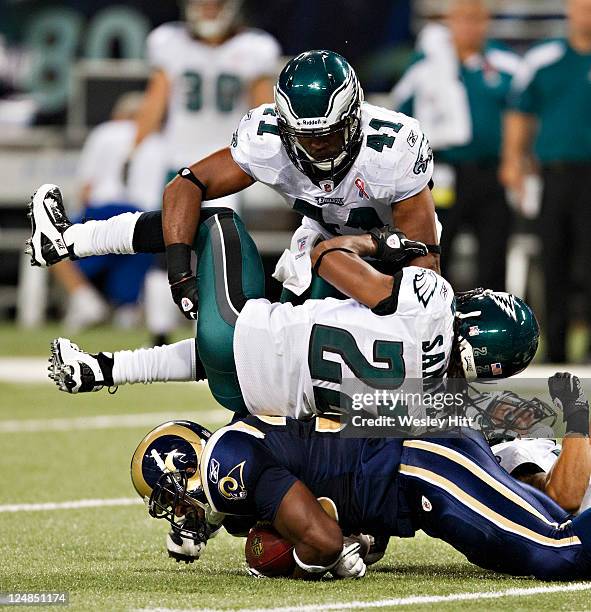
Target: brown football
pixel 268 553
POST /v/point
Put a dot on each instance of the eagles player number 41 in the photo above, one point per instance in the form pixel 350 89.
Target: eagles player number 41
pixel 377 142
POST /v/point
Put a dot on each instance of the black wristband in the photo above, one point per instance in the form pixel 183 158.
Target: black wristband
pixel 434 248
pixel 578 423
pixel 319 260
pixel 178 261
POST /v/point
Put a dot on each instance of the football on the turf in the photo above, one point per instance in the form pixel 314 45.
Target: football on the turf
pixel 268 553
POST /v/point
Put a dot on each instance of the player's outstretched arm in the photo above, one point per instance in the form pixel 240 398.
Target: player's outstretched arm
pixel 415 216
pixel 568 479
pixel 316 536
pixel 213 177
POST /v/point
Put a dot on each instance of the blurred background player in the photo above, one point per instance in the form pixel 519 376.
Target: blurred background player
pixel 104 194
pixel 207 72
pixel 458 87
pixel 552 102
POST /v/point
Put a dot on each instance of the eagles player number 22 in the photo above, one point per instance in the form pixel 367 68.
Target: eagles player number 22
pixel 327 339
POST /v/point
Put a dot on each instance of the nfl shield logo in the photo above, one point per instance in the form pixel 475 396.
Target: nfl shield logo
pixel 257 546
pixel 327 186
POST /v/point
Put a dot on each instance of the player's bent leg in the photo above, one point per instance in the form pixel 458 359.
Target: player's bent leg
pixel 75 371
pixel 459 493
pixel 54 237
pixel 229 273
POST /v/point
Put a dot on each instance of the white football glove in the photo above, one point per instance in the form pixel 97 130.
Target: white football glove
pixel 183 549
pixel 350 563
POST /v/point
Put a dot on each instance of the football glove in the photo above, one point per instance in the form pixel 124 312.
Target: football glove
pixel 181 548
pixel 184 294
pixel 393 247
pixel 567 394
pixel 183 284
pixel 350 564
pixel 179 543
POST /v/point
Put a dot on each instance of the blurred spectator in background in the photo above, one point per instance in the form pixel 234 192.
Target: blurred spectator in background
pixel 104 194
pixel 553 103
pixel 458 88
pixel 208 71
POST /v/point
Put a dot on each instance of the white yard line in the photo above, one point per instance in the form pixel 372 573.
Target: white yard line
pixel 111 421
pixel 72 505
pixel 34 370
pixel 403 601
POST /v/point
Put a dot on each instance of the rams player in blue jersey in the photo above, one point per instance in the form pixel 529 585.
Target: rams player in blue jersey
pixel 274 469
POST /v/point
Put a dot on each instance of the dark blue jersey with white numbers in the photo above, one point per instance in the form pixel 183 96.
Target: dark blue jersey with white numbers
pixel 248 467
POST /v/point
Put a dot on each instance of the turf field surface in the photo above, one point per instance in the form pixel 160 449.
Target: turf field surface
pixel 69 519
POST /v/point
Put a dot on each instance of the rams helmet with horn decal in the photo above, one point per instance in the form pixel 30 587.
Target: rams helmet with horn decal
pixel 498 334
pixel 318 100
pixel 165 473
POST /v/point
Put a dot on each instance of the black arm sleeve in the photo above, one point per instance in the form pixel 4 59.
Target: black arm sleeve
pixel 389 305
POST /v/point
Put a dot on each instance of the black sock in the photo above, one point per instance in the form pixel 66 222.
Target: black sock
pixel 147 234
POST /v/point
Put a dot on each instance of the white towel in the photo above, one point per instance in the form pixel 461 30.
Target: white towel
pixel 294 268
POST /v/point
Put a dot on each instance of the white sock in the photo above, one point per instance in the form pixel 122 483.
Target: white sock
pixel 112 236
pixel 157 364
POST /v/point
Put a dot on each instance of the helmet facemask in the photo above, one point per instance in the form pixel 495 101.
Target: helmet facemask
pixel 335 145
pixel 506 416
pixel 184 510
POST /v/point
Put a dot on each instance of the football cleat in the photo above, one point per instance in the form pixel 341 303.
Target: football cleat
pixel 48 223
pixel 75 371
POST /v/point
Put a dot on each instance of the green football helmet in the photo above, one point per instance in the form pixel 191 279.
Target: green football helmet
pixel 498 334
pixel 318 100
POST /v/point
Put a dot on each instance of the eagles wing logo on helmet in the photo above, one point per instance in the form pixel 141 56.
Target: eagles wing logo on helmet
pixel 506 302
pixel 424 284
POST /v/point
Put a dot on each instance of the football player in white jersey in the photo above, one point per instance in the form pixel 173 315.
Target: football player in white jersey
pixel 207 72
pixel 345 165
pixel 287 360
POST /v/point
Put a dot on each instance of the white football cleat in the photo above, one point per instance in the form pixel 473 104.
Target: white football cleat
pixel 48 223
pixel 75 371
